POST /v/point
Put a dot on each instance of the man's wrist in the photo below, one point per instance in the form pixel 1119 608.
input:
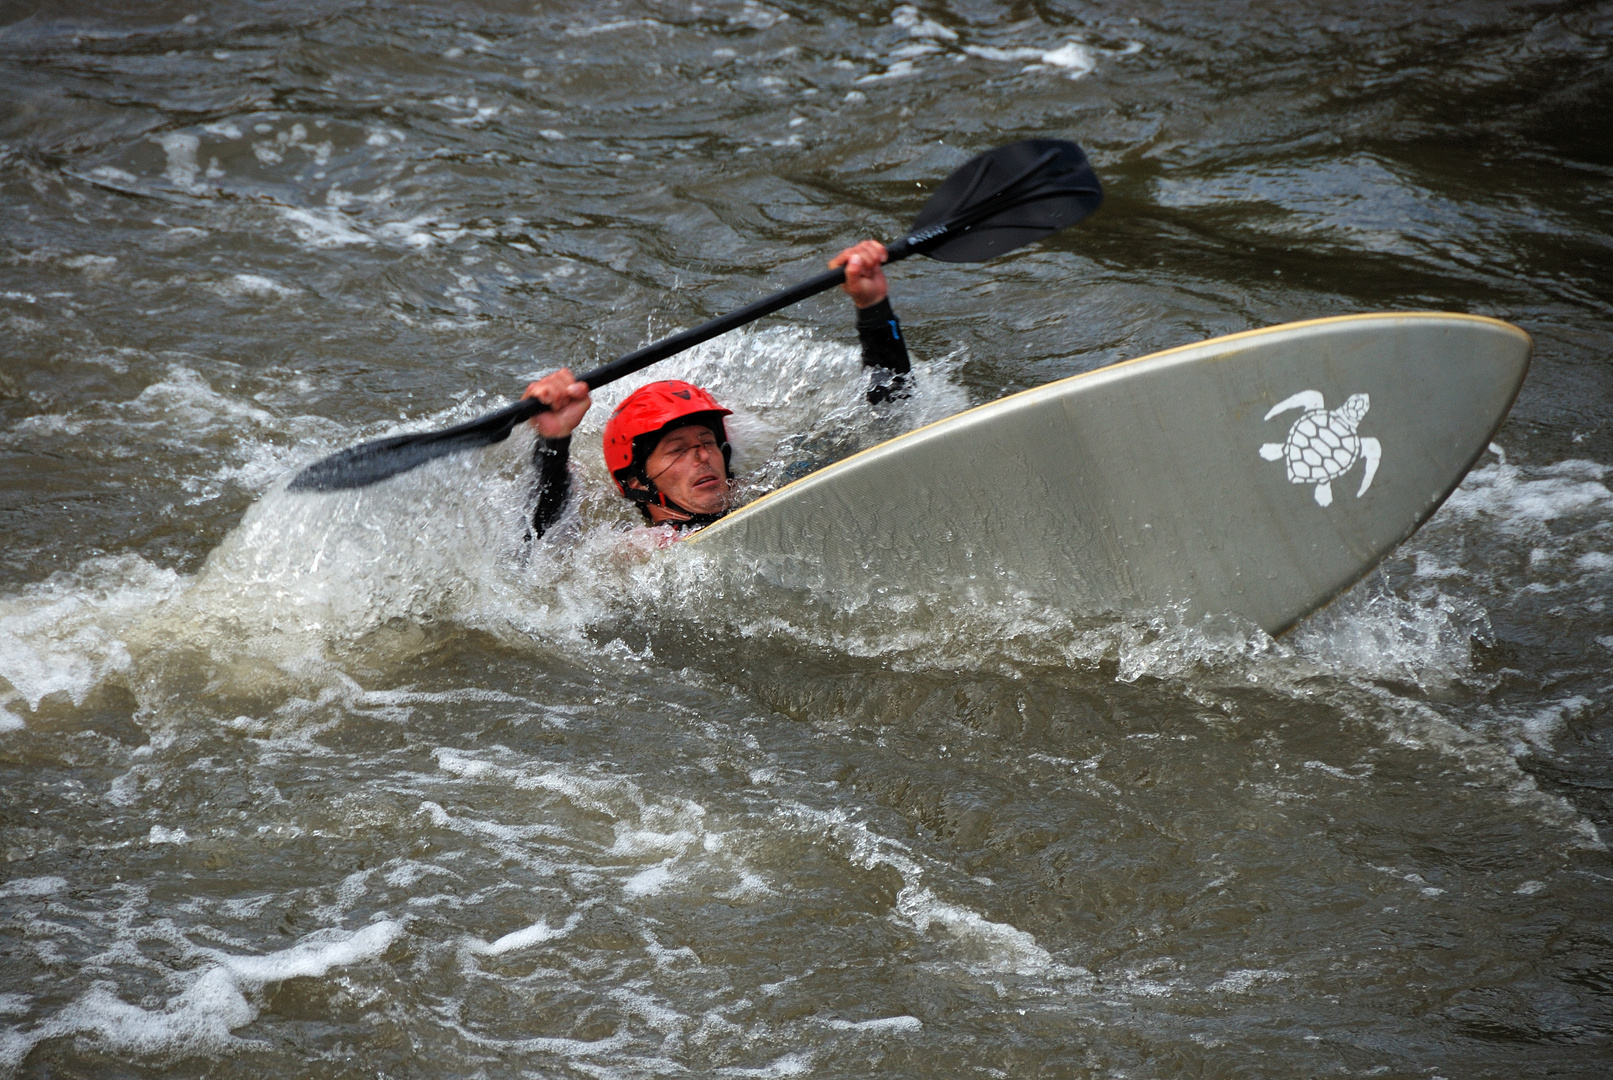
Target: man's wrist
pixel 876 314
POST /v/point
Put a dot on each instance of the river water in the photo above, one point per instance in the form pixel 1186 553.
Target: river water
pixel 357 785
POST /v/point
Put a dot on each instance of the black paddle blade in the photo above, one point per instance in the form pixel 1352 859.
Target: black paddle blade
pixel 1007 198
pixel 374 461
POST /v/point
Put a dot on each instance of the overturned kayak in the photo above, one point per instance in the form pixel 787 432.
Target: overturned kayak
pixel 1259 474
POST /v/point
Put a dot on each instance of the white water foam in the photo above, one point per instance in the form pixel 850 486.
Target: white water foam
pixel 910 19
pixel 185 411
pixel 1243 980
pixel 65 636
pixel 181 147
pixel 253 285
pixel 200 1019
pixel 92 266
pixel 277 593
pixel 39 886
pixel 926 38
pixel 1073 58
pixel 524 938
pixel 673 833
pixel 998 946
pixel 882 1025
pixel 795 1064
pixel 1519 499
pixel 662 830
pixel 1417 725
pixel 980 943
pixel 614 26
pixel 1425 639
pixel 322 228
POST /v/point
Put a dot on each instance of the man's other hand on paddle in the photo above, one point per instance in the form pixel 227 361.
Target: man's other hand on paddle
pixel 567 399
pixel 865 272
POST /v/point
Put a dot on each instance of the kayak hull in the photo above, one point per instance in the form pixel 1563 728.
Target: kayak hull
pixel 1258 475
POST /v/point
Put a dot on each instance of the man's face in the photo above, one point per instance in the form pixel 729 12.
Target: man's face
pixel 687 466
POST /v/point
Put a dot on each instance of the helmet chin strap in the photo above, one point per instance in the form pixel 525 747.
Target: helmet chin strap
pixel 654 496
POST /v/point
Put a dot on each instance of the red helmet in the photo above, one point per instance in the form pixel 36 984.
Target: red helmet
pixel 650 411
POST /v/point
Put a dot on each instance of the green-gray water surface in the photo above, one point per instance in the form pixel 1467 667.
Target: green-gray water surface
pixel 356 785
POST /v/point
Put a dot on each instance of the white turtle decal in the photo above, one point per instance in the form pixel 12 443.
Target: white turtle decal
pixel 1322 446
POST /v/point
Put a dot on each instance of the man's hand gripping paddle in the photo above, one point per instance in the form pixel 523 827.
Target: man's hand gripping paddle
pixel 1001 200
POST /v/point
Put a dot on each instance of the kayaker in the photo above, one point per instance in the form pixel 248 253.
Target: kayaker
pixel 666 444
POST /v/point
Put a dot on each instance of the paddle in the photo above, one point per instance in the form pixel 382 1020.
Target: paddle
pixel 997 201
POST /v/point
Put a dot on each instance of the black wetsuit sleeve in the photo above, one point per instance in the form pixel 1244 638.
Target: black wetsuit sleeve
pixel 552 457
pixel 881 335
pixel 884 351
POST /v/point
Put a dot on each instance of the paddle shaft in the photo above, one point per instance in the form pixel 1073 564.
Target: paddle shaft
pixel 654 353
pixel 688 339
